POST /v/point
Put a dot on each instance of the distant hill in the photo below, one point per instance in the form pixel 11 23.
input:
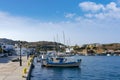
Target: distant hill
pixel 112 46
pixel 38 44
pixel 11 42
pixel 29 44
pixel 7 41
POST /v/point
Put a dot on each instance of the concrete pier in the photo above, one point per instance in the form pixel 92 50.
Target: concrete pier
pixel 12 70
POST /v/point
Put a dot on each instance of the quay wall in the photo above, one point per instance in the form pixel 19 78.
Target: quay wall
pixel 30 70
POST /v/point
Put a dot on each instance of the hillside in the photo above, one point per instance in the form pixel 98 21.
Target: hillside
pixel 51 45
pixel 112 46
pixel 7 41
pixel 29 44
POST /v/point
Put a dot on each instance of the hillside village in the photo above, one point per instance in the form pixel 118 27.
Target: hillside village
pixel 13 47
pixel 98 49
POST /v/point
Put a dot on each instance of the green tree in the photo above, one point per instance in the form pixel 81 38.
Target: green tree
pixel 76 47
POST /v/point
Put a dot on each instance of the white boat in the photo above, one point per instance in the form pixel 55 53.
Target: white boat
pixel 55 61
pixel 108 55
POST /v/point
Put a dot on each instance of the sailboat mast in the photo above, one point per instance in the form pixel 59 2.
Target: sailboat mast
pixel 64 37
pixel 54 44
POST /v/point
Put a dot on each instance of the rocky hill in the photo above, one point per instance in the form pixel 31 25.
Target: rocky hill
pixel 39 44
pixel 7 41
pixel 28 44
pixel 112 46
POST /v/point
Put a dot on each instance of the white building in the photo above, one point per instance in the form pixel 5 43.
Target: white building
pixel 68 50
pixel 7 47
pixel 23 50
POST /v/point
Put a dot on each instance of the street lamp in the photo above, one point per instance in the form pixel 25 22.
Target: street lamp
pixel 20 54
pixel 27 52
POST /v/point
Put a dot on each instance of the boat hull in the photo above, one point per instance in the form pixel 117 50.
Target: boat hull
pixel 71 64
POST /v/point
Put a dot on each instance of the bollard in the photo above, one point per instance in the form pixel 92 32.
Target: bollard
pixel 24 72
pixel 30 59
pixel 28 63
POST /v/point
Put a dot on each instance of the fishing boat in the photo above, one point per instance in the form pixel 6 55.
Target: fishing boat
pixel 56 61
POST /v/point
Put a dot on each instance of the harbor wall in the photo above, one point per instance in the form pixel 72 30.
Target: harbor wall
pixel 30 70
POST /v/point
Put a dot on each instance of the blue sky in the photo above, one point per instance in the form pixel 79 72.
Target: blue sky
pixel 82 21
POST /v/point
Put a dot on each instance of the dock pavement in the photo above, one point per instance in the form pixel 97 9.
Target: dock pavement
pixel 12 70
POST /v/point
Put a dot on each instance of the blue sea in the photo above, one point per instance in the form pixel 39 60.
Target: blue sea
pixel 92 68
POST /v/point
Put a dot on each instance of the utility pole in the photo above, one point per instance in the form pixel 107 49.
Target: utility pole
pixel 20 54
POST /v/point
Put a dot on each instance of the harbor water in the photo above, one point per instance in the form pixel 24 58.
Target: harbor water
pixel 92 68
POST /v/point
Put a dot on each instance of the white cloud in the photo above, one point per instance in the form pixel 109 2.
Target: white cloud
pixel 81 31
pixel 106 12
pixel 112 6
pixel 23 28
pixel 70 15
pixel 15 27
pixel 89 15
pixel 91 6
